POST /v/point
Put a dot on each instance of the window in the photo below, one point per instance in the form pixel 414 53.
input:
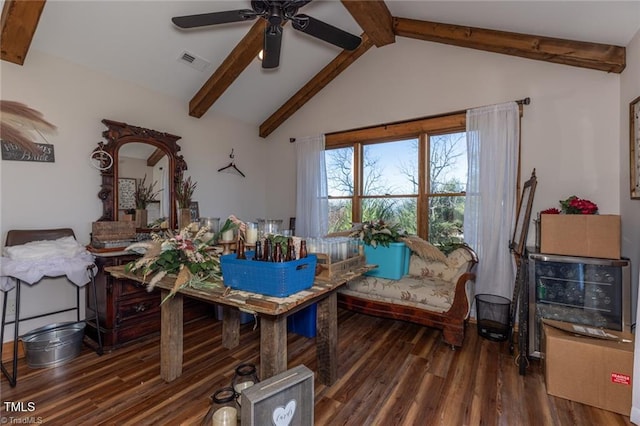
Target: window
pixel 412 173
pixel 447 171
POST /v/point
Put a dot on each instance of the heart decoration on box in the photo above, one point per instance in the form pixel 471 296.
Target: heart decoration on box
pixel 282 416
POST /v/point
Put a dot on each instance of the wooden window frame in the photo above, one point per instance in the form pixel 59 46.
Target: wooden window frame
pixel 420 129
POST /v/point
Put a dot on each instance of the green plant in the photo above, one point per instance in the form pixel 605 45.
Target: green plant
pixel 189 257
pixel 145 194
pixel 184 192
pixel 378 232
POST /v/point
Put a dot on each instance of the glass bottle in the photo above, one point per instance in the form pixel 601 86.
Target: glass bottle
pixel 265 250
pixel 240 250
pixel 268 250
pixel 291 250
pixel 303 249
pixel 258 253
pixel 277 256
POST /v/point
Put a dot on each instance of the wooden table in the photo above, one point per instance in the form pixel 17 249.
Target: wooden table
pixel 273 312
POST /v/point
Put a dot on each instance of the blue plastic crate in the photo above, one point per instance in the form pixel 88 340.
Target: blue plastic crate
pixel 245 317
pixel 392 261
pixel 278 279
pixel 303 322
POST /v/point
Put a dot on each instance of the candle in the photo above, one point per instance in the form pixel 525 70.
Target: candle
pixel 227 235
pixel 252 233
pixel 240 387
pixel 243 385
pixel 225 416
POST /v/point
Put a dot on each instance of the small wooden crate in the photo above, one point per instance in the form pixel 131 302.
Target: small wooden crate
pixel 329 271
pixel 113 231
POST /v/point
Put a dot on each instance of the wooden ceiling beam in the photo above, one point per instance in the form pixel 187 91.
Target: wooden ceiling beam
pixel 374 18
pixel 603 57
pixel 155 156
pixel 237 61
pixel 317 83
pixel 18 25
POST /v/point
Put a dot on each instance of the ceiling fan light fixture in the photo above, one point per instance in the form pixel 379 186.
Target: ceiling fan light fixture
pixel 261 54
pixel 276 13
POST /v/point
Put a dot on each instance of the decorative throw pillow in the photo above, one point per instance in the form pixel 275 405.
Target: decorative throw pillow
pixel 456 264
pixel 424 249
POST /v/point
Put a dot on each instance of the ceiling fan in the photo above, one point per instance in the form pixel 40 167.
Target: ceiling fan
pixel 276 13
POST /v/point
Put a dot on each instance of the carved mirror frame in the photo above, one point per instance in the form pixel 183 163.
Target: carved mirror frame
pixel 119 134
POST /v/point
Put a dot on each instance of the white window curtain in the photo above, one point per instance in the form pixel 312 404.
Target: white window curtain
pixel 489 216
pixel 312 203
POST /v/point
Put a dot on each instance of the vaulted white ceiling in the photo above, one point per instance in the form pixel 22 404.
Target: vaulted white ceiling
pixel 136 41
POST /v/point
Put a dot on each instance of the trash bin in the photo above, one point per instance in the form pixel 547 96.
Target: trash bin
pixel 53 344
pixel 493 317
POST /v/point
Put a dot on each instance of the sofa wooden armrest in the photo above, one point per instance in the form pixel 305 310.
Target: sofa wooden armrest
pixel 424 296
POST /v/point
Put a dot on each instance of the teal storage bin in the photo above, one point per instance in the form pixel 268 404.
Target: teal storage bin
pixel 392 261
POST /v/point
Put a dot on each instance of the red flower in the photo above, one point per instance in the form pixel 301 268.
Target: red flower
pixel 552 210
pixel 575 205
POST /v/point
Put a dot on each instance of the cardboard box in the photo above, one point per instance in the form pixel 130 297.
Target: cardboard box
pixel 589 370
pixel 581 235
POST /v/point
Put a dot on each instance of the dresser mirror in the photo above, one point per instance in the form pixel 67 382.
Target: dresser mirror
pixel 129 154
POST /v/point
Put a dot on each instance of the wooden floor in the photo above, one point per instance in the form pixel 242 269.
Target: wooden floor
pixel 390 373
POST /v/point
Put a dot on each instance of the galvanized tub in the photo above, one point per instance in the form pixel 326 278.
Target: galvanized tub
pixel 53 344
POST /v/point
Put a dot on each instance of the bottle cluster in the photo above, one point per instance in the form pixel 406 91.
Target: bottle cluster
pixel 269 250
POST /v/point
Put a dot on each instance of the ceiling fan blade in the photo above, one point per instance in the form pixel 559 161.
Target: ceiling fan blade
pixel 325 32
pixel 272 43
pixel 204 19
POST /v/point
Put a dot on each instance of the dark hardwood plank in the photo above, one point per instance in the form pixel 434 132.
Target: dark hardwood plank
pixel 389 373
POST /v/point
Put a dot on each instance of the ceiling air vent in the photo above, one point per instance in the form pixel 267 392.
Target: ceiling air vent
pixel 194 61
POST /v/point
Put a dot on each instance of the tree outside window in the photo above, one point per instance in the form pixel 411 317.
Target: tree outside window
pixel 426 201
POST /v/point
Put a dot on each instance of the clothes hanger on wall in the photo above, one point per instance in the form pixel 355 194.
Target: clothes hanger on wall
pixel 231 167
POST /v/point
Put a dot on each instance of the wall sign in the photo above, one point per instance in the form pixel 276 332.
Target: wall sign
pixel 14 152
pixel 126 193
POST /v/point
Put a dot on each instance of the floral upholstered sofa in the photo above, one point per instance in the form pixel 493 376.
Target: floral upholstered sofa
pixel 437 292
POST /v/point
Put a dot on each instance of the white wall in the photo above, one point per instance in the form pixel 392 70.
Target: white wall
pixel 570 132
pixel 64 193
pixel 629 209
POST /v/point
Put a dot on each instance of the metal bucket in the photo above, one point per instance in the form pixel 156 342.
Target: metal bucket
pixel 53 344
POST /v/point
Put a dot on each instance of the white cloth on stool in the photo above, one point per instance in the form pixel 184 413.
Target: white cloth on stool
pixel 32 271
pixel 66 247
